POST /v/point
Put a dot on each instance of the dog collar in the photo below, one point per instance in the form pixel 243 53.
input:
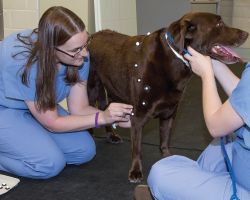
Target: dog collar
pixel 177 54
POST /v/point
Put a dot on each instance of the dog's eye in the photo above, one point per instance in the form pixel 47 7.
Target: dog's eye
pixel 220 23
pixel 191 28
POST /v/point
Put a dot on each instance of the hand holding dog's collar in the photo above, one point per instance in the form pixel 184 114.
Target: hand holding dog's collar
pixel 168 36
pixel 178 55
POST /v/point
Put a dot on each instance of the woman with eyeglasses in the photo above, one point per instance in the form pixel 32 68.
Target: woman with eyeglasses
pixel 38 69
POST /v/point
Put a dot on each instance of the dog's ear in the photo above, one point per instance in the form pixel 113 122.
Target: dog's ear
pixel 180 30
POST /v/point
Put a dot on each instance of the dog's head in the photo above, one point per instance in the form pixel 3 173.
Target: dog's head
pixel 207 34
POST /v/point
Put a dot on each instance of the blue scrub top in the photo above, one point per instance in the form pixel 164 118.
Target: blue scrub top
pixel 12 92
pixel 240 101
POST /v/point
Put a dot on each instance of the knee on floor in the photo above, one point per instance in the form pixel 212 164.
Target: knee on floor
pixel 81 155
pixel 45 167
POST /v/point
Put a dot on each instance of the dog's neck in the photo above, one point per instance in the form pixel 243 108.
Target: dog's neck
pixel 177 54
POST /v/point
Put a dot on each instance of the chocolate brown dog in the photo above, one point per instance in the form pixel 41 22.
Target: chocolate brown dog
pixel 145 72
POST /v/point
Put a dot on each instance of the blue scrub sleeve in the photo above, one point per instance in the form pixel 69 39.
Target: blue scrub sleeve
pixel 13 87
pixel 240 97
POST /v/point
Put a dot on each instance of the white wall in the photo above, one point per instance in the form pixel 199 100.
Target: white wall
pixel 19 15
pixel 119 15
pixel 240 19
pixel 241 16
pixel 25 14
pixel 226 10
pixel 79 7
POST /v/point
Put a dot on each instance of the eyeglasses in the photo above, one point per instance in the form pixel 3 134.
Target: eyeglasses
pixel 80 49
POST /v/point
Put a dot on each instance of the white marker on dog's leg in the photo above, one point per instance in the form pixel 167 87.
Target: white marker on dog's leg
pixel 146 88
pixel 114 125
pixel 137 43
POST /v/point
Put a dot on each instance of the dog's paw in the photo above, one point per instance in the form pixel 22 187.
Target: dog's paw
pixel 165 153
pixel 135 176
pixel 115 139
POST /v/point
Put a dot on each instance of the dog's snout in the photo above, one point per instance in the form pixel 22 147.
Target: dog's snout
pixel 244 35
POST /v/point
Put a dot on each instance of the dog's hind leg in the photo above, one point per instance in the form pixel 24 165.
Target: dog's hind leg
pixel 97 97
pixel 111 135
pixel 166 125
pixel 94 86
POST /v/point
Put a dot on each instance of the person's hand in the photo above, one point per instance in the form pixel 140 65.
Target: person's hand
pixel 200 64
pixel 126 124
pixel 117 113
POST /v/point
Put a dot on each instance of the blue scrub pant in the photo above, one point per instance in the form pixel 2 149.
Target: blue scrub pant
pixel 29 150
pixel 180 178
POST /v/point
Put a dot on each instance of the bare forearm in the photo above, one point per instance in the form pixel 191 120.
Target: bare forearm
pixel 72 123
pixel 83 118
pixel 225 76
pixel 85 111
pixel 210 98
pixel 115 112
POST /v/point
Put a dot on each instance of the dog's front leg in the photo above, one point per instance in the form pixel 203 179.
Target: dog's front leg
pixel 166 124
pixel 135 172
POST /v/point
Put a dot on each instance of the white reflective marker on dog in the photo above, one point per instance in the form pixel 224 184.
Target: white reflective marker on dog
pixel 146 88
pixel 114 126
pixel 137 43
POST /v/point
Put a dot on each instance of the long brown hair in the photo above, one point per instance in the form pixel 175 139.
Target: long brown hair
pixel 56 26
